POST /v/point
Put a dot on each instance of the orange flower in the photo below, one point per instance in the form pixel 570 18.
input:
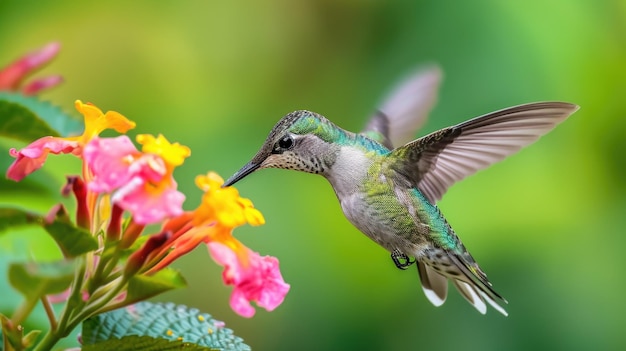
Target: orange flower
pixel 254 277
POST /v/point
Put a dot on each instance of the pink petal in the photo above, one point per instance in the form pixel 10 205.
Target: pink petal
pixel 33 156
pixel 108 160
pixel 146 206
pixel 42 84
pixel 240 304
pixel 12 75
pixel 41 56
pixel 136 180
pixel 260 280
pixel 60 297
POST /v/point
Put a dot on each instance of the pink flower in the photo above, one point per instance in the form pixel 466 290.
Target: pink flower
pixel 258 279
pixel 139 182
pixel 32 157
pixel 13 75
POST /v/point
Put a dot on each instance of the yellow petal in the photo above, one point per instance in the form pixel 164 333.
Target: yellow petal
pixel 96 121
pixel 173 154
pixel 119 123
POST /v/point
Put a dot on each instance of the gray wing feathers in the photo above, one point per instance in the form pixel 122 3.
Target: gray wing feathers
pixel 407 107
pixel 483 141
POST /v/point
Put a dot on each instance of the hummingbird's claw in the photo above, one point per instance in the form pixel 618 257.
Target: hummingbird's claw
pixel 401 260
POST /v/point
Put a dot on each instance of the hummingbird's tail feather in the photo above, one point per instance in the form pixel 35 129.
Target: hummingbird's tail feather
pixel 435 285
pixel 470 295
pixel 466 276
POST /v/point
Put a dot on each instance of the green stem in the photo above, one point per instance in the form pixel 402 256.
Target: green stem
pixel 23 311
pixel 49 312
pixel 48 341
pixel 106 265
pixel 75 299
pixel 5 342
pixel 70 323
pixel 95 307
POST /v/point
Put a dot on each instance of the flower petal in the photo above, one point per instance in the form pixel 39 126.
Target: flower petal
pixel 96 121
pixel 12 75
pixel 173 154
pixel 109 161
pixel 259 280
pixel 224 204
pixel 38 85
pixel 139 182
pixel 33 156
pixel 146 206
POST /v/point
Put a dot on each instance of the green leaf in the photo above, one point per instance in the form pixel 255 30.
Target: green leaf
pixel 36 279
pixel 72 240
pixel 13 217
pixel 144 343
pixel 27 118
pixel 161 320
pixel 141 287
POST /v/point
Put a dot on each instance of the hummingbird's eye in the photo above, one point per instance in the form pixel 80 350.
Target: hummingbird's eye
pixel 285 142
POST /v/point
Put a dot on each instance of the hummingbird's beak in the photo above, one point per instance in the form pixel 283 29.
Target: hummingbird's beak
pixel 244 171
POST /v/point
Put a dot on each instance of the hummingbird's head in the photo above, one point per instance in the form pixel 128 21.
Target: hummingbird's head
pixel 302 140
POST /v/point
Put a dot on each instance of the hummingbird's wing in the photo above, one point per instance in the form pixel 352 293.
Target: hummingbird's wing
pixel 406 109
pixel 436 161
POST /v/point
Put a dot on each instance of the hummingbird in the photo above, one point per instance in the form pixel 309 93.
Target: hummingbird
pixel 389 188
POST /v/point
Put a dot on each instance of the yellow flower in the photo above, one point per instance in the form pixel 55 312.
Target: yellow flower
pixel 173 154
pixel 224 204
pixel 96 121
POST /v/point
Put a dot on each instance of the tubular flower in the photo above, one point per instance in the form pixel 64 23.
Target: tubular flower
pixel 121 192
pixel 33 156
pixel 260 280
pixel 224 204
pixel 14 74
pixel 140 182
pixel 254 278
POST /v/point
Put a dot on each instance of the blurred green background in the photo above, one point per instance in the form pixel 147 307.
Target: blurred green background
pixel 547 225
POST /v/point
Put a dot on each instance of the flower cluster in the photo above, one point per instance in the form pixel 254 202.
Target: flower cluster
pixel 123 189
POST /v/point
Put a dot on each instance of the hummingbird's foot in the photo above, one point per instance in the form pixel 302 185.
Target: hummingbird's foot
pixel 401 260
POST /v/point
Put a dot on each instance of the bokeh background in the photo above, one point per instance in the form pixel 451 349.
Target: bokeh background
pixel 547 225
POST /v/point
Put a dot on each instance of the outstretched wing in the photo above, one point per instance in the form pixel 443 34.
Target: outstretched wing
pixel 436 161
pixel 406 109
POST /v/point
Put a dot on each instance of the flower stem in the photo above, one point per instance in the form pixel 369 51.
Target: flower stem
pixel 72 318
pixel 74 299
pixel 49 312
pixel 48 341
pixel 23 311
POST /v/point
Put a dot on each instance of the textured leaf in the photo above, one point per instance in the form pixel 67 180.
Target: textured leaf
pixel 162 320
pixel 72 240
pixel 144 343
pixel 141 287
pixel 36 279
pixel 28 118
pixel 13 217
